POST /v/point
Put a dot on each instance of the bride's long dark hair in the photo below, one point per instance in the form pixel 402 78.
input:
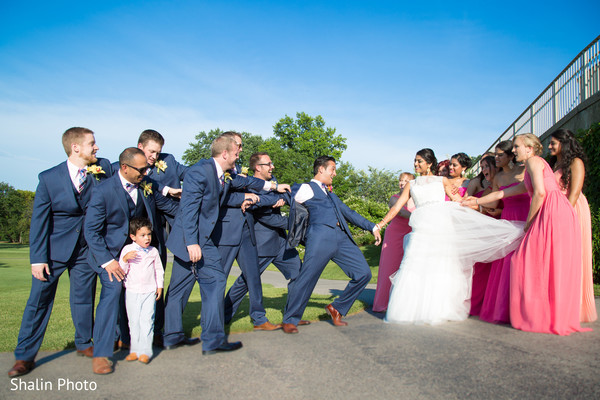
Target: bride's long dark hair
pixel 429 156
pixel 570 149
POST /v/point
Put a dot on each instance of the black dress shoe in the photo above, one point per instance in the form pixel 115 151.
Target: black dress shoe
pixel 183 342
pixel 226 346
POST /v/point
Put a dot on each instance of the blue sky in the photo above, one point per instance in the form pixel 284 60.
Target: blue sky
pixel 391 76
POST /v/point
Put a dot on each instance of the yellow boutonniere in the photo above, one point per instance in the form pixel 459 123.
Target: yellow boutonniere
pixel 226 177
pixel 245 170
pixel 161 165
pixel 95 170
pixel 147 188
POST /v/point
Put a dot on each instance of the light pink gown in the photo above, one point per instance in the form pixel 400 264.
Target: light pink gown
pixel 392 252
pixel 582 209
pixel 495 307
pixel 545 276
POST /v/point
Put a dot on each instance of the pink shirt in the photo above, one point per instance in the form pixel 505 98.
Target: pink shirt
pixel 144 273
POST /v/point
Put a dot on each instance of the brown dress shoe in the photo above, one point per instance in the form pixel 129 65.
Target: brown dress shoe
pixel 336 317
pixel 267 326
pixel 89 352
pixel 290 328
pixel 303 322
pixel 102 365
pixel 21 368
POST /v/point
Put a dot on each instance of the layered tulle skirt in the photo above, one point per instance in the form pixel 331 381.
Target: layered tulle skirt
pixel 433 283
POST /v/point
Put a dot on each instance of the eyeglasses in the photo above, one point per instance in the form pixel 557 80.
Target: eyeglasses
pixel 269 164
pixel 143 170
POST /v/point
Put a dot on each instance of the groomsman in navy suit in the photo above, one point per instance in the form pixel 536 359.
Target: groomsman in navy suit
pixel 57 244
pixel 124 196
pixel 327 238
pixel 269 228
pixel 168 174
pixel 193 245
pixel 235 238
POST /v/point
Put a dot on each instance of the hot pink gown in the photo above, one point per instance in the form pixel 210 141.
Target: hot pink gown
pixel 582 209
pixel 495 307
pixel 392 252
pixel 545 276
pixel 481 274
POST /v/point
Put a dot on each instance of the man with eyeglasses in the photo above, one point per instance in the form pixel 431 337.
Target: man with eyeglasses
pixel 124 196
pixel 236 240
pixel 269 228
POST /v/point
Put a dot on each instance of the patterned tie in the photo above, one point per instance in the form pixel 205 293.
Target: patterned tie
pixel 130 187
pixel 325 188
pixel 222 180
pixel 81 178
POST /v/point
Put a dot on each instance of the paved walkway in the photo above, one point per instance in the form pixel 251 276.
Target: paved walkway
pixel 366 359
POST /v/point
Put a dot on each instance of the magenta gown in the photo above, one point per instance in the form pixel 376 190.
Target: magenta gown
pixel 392 252
pixel 545 276
pixel 496 300
pixel 481 274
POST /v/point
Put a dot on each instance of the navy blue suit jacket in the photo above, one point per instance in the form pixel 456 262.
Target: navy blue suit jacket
pixel 57 218
pixel 171 176
pixel 200 204
pixel 106 224
pixel 269 227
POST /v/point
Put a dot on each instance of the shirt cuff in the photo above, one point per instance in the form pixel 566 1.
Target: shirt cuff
pixel 165 191
pixel 267 186
pixel 106 264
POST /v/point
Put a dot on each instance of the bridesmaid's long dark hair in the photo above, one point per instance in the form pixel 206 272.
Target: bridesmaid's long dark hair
pixel 429 156
pixel 570 149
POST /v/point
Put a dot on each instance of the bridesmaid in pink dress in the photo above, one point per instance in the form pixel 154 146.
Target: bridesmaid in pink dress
pixel 459 163
pixel 545 276
pixel 392 250
pixel 567 155
pixel 496 301
pixel 480 186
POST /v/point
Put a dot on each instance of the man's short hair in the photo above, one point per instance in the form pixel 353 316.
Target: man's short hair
pixel 255 158
pixel 73 135
pixel 231 134
pixel 151 134
pixel 127 156
pixel 137 223
pixel 220 144
pixel 321 161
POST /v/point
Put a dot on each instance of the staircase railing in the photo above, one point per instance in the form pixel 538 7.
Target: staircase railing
pixel 576 83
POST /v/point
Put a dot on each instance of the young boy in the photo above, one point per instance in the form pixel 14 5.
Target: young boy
pixel 143 287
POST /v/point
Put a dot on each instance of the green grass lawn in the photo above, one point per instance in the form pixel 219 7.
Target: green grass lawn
pixel 332 271
pixel 15 283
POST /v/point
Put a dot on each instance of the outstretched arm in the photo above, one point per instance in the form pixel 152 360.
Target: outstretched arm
pixel 396 207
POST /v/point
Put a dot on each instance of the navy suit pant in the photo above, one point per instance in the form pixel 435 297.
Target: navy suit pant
pixel 107 314
pixel 324 244
pixel 41 299
pixel 287 261
pixel 247 258
pixel 212 281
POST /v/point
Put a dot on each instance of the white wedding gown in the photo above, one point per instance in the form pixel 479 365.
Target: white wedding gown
pixel 433 283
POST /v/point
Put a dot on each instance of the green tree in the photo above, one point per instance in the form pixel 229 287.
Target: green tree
pixel 373 185
pixel 15 213
pixel 201 147
pixel 298 142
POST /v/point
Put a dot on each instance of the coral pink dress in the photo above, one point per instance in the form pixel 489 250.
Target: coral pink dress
pixel 481 274
pixel 392 252
pixel 582 209
pixel 545 276
pixel 495 307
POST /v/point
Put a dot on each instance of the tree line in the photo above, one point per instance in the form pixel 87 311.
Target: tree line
pixel 295 144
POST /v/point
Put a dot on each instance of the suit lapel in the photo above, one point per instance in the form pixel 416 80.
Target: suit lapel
pixel 120 190
pixel 67 183
pixel 146 201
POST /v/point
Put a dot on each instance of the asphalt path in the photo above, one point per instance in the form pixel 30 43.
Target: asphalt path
pixel 366 359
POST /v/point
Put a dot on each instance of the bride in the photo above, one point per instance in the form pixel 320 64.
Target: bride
pixel 433 283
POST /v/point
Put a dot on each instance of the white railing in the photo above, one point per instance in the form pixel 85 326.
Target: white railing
pixel 576 83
